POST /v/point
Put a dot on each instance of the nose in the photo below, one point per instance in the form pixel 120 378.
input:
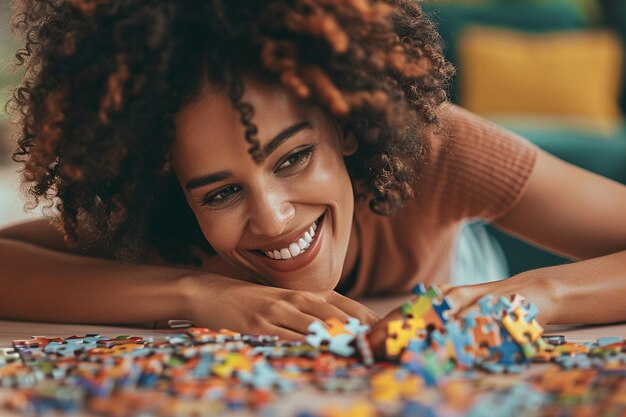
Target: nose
pixel 271 212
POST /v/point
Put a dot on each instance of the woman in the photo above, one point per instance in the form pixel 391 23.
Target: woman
pixel 252 161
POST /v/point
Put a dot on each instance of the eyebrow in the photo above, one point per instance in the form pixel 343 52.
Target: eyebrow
pixel 272 145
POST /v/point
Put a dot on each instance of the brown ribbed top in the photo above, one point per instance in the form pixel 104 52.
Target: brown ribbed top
pixel 475 170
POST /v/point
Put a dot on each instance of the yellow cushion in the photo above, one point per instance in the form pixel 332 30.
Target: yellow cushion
pixel 505 72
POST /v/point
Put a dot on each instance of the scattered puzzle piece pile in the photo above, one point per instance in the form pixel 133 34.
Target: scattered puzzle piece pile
pixel 504 336
pixel 435 367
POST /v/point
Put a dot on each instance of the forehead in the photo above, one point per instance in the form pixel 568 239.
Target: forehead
pixel 209 126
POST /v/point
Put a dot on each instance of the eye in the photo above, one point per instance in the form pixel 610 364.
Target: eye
pixel 296 159
pixel 221 197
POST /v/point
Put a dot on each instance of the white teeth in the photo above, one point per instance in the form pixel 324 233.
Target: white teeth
pixel 294 249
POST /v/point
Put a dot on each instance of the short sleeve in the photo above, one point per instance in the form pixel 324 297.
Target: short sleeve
pixel 473 169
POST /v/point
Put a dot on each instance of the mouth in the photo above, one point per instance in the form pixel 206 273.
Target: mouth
pixel 299 253
pixel 298 247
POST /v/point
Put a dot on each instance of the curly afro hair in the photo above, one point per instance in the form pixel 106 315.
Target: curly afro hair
pixel 104 78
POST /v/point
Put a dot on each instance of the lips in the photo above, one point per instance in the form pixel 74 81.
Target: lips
pixel 289 239
pixel 301 259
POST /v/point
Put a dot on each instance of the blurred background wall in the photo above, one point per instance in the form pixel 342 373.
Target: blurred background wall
pixel 10 204
pixel 550 70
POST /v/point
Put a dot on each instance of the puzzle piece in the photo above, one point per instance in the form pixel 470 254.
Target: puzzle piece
pixel 508 352
pixel 106 342
pixel 442 307
pixel 521 329
pixel 427 365
pixel 496 310
pixel 335 327
pixel 463 342
pixel 8 355
pixel 263 376
pixel 115 350
pixel 485 331
pixel 318 333
pixel 37 341
pixel 392 385
pixel 69 347
pixel 499 368
pixel 340 345
pixel 336 334
pixel 417 307
pixel 355 327
pixel 400 332
pixel 259 339
pixel 364 348
pixel 204 335
pixel 432 292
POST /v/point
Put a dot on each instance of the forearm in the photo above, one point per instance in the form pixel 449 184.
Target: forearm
pixel 43 285
pixel 590 291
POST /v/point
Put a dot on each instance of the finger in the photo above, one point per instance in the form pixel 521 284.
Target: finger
pixel 463 302
pixel 355 309
pixel 285 334
pixel 377 338
pixel 445 288
pixel 296 321
pixel 321 310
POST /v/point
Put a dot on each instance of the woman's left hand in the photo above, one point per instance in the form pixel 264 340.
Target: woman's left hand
pixel 464 298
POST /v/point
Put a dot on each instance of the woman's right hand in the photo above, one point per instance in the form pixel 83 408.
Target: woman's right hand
pixel 225 303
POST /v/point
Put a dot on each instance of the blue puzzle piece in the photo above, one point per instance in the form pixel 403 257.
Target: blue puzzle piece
pixel 265 377
pixel 532 312
pixel 499 368
pixel 575 361
pixel 441 307
pixel 415 409
pixel 518 400
pixel 69 347
pixel 318 334
pixel 433 292
pixel 355 327
pixel 462 339
pixel 469 319
pixel 510 353
pixel 497 309
pixel 417 345
pixel 340 345
pixel 605 341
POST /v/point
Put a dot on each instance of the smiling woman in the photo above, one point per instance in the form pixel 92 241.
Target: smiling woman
pixel 250 162
pixel 247 210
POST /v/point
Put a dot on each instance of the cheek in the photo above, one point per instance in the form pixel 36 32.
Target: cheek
pixel 221 233
pixel 331 180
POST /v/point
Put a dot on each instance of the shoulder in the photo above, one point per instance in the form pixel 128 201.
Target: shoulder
pixel 473 168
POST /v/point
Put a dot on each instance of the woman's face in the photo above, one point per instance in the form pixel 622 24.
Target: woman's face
pixel 285 222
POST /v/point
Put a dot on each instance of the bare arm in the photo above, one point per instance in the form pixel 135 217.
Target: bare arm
pixel 570 211
pixel 42 281
pixel 579 215
pixel 40 284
